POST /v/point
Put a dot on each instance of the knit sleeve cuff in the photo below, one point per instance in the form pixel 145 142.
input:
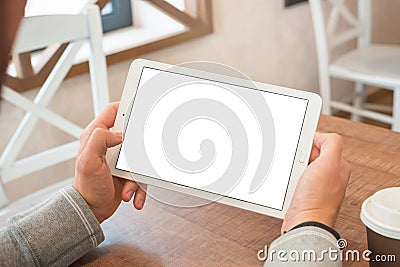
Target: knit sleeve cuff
pixel 57 232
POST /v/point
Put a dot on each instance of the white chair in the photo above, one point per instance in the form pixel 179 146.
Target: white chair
pixel 39 32
pixel 369 64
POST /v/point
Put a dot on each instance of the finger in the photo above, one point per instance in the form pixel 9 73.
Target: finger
pixel 314 153
pixel 140 197
pixel 100 140
pixel 104 120
pixel 128 190
pixel 330 145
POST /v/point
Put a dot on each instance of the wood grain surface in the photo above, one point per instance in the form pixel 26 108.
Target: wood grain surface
pixel 220 235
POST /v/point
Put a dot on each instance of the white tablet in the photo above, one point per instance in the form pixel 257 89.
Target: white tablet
pixel 212 136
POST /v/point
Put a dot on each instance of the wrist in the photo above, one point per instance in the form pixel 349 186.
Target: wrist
pixel 96 212
pixel 325 218
pixel 319 225
pixel 99 216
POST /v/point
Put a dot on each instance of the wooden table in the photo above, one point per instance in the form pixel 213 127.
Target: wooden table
pixel 216 234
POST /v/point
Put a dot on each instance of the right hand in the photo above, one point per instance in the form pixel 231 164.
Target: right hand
pixel 322 186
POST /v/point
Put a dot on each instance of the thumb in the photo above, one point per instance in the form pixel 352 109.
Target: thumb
pixel 330 146
pixel 100 140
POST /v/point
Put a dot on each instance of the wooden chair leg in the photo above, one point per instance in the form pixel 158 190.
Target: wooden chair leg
pixel 325 92
pixel 359 99
pixel 396 110
pixel 3 196
pixel 97 63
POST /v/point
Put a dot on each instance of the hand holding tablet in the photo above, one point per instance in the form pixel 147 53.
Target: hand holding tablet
pixel 214 136
pixel 322 186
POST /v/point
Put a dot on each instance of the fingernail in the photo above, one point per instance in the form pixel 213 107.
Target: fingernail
pixel 118 134
pixel 140 203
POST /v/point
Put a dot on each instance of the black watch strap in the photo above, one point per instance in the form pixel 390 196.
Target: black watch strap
pixel 320 225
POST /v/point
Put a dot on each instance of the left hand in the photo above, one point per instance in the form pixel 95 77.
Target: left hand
pixel 93 180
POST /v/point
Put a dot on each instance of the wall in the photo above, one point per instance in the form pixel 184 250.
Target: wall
pixel 263 40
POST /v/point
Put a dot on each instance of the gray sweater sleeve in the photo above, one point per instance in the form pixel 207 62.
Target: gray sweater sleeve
pixel 305 246
pixel 54 233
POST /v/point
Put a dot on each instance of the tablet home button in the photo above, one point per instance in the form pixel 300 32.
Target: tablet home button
pixel 302 156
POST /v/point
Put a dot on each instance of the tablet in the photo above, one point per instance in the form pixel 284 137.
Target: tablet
pixel 213 136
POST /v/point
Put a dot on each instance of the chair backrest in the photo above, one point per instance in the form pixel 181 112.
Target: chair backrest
pixel 40 32
pixel 54 29
pixel 326 27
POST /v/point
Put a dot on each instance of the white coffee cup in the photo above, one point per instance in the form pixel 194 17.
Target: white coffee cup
pixel 381 215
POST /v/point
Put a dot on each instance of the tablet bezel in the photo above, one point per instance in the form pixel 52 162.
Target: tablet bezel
pixel 301 157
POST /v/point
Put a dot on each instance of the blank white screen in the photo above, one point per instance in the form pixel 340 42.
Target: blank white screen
pixel 287 117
